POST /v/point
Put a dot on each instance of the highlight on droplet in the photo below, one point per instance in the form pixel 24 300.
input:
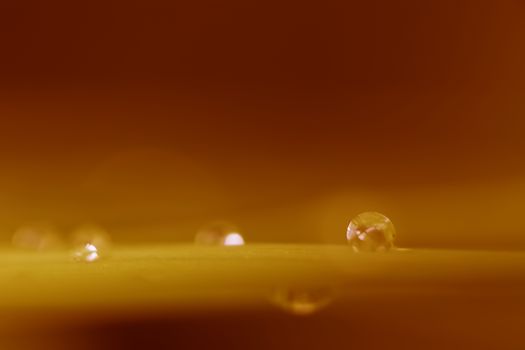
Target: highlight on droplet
pixel 233 239
pixel 87 253
pixel 219 234
pixel 90 243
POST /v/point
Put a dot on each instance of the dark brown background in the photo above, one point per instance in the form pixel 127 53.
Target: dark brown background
pixel 288 118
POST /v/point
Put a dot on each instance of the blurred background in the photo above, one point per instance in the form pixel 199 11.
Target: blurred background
pixel 288 118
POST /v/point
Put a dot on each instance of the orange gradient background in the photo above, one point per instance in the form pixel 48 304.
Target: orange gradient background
pixel 152 118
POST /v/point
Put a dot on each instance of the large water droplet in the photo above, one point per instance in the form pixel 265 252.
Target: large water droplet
pixel 371 232
pixel 303 301
pixel 219 234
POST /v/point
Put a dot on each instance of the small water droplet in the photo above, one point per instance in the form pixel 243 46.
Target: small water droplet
pixel 90 243
pixel 371 232
pixel 303 301
pixel 86 253
pixel 219 234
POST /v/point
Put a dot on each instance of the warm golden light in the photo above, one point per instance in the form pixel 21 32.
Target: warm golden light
pixel 225 150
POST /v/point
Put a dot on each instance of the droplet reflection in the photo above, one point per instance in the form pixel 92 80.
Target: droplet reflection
pixel 303 301
pixel 219 234
pixel 371 232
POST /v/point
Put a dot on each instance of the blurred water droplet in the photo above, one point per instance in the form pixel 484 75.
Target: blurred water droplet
pixel 219 234
pixel 90 243
pixel 303 301
pixel 371 232
pixel 37 237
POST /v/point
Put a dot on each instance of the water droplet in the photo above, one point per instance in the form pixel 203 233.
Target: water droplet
pixel 371 232
pixel 86 253
pixel 90 243
pixel 37 237
pixel 303 301
pixel 219 234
